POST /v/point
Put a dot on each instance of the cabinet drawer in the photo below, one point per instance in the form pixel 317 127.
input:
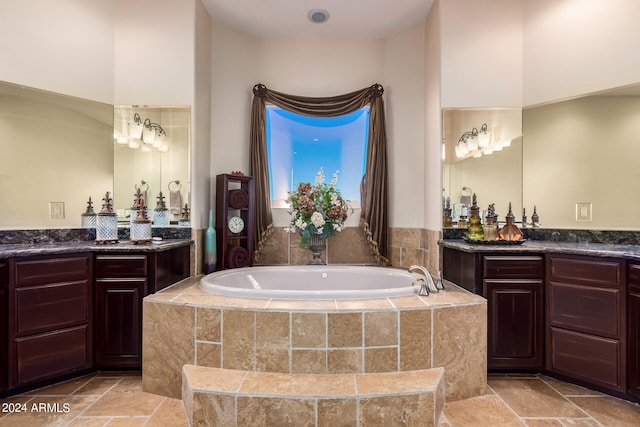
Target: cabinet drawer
pixel 585 308
pixel 48 307
pixel 588 271
pixel 634 277
pixel 120 266
pixel 52 354
pixel 513 267
pixel 51 270
pixel 585 357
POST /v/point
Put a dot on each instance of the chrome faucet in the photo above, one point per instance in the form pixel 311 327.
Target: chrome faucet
pixel 429 285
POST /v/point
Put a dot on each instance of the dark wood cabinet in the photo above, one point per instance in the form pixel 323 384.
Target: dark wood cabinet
pixel 49 317
pixel 4 285
pixel 586 312
pixel 462 268
pixel 235 197
pixel 513 287
pixel 633 325
pixel 121 283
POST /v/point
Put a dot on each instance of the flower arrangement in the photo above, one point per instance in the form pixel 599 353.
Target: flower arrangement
pixel 317 210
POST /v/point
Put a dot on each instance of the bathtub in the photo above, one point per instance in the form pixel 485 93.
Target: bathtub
pixel 311 282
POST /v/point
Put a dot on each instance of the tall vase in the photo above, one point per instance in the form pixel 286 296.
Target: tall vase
pixel 317 246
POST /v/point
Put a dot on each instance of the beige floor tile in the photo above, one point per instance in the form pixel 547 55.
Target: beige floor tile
pixel 483 411
pixel 531 397
pixel 127 422
pixel 126 399
pixel 580 422
pixel 63 388
pixel 610 411
pixel 537 422
pixel 568 389
pixel 97 386
pixel 171 413
pixel 89 422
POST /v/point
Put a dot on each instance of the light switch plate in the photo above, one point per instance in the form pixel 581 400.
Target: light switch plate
pixel 583 211
pixel 56 210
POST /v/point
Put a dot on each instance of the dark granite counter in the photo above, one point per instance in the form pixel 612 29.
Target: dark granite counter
pixel 626 251
pixel 28 249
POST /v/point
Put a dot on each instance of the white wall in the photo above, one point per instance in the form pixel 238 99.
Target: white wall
pixel 481 53
pixel 404 85
pixel 63 46
pixel 574 47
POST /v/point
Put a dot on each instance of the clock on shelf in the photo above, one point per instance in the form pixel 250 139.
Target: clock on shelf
pixel 234 220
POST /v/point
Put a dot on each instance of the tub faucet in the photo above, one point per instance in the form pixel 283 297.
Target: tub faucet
pixel 429 284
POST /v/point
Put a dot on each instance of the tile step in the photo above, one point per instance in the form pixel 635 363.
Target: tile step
pixel 214 396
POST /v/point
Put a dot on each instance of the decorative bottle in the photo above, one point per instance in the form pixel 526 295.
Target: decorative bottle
pixel 446 214
pixel 535 219
pixel 474 229
pixel 490 228
pixel 210 246
pixel 88 218
pixel 185 218
pixel 161 213
pixel 107 222
pixel 141 226
pixel 510 231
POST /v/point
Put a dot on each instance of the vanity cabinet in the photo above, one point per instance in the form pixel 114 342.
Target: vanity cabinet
pixel 122 280
pixel 120 285
pixel 4 285
pixel 49 317
pixel 586 309
pixel 513 287
pixel 633 332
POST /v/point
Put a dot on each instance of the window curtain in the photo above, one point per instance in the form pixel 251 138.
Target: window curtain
pixel 374 216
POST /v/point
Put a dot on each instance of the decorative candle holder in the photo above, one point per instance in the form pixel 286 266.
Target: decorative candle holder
pixel 107 222
pixel 88 218
pixel 185 220
pixel 138 197
pixel 490 228
pixel 161 213
pixel 474 229
pixel 140 231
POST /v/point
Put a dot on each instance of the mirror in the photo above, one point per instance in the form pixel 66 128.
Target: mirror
pixel 576 162
pixel 156 166
pixel 492 172
pixel 581 161
pixel 56 152
pixel 59 150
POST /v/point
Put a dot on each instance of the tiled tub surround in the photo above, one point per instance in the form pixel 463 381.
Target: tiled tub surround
pixel 184 325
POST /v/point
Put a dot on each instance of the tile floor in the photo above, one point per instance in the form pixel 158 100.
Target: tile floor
pixel 116 399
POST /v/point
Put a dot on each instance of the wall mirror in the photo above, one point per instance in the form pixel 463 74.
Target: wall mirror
pixel 56 151
pixel 154 165
pixel 581 161
pixel 482 155
pixel 59 150
pixel 574 160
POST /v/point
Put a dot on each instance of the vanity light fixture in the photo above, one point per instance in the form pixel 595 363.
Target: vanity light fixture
pixel 476 143
pixel 136 127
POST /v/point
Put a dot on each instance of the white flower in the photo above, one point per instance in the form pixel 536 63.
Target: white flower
pixel 320 178
pixel 334 200
pixel 290 229
pixel 337 227
pixel 301 224
pixel 317 219
pixel 334 181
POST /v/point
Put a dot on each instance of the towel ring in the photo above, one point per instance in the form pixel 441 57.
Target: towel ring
pixel 176 182
pixel 143 182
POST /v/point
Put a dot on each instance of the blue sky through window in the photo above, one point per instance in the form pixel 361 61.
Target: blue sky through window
pixel 298 146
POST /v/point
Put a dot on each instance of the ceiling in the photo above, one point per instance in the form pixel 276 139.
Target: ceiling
pixel 347 18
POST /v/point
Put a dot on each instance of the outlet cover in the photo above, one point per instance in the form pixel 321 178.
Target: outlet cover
pixel 56 210
pixel 583 211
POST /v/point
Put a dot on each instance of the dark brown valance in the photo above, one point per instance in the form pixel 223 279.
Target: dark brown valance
pixel 375 187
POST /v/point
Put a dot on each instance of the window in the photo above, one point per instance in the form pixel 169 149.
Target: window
pixel 298 146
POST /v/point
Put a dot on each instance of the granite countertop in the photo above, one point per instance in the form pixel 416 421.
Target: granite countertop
pixel 544 246
pixel 27 249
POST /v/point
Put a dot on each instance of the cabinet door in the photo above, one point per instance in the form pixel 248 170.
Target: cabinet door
pixel 4 326
pixel 634 345
pixel 515 324
pixel 118 321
